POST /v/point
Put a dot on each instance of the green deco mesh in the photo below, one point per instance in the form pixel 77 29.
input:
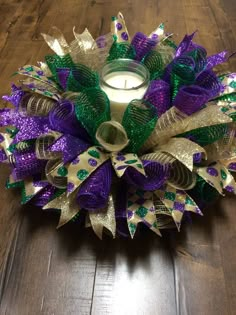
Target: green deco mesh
pixel 92 108
pixel 121 50
pixel 199 56
pixel 206 135
pixel 203 191
pixel 153 61
pixel 181 74
pixel 139 121
pixel 55 61
pixel 81 77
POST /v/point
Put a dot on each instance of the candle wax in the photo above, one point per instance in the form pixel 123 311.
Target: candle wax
pixel 121 94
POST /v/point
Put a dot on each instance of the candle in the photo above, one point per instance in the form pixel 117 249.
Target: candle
pixel 123 80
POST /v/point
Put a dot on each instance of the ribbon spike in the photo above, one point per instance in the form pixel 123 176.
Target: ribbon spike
pixel 140 209
pixel 177 201
pixel 104 218
pixel 68 206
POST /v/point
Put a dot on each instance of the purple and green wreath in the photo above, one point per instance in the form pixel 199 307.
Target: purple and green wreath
pixel 171 154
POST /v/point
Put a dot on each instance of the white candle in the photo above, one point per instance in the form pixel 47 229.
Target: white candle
pixel 123 80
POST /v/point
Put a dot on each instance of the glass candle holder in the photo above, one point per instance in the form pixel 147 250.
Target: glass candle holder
pixel 123 80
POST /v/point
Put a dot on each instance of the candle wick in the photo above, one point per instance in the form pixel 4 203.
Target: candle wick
pixel 125 84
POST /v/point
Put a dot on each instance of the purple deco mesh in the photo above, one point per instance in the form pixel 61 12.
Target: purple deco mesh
pixel 142 45
pixel 190 99
pixel 158 94
pixel 63 119
pixel 157 174
pixel 209 81
pixel 94 192
pixel 62 76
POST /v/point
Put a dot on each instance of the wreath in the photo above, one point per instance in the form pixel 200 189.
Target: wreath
pixel 117 131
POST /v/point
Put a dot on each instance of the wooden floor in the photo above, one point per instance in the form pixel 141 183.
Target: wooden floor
pixel 50 272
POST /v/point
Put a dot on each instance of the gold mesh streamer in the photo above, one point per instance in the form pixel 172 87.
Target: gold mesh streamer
pixel 85 50
pixel 168 125
pixel 180 176
pixel 225 148
pixel 112 136
pixel 52 167
pixel 56 41
pixel 174 122
pixel 43 143
pixel 35 105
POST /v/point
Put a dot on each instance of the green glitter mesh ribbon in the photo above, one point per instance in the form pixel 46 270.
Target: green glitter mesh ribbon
pixel 81 77
pixel 121 50
pixel 153 61
pixel 92 107
pixel 139 121
pixel 205 135
pixel 182 74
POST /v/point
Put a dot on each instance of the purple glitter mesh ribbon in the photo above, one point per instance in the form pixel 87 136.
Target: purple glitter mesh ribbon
pixel 29 127
pixel 94 193
pixel 190 99
pixel 142 45
pixel 158 94
pixel 44 196
pixel 26 164
pixel 186 45
pixel 156 172
pixel 216 59
pixel 62 76
pixel 70 147
pixel 16 95
pixel 209 81
pixel 63 119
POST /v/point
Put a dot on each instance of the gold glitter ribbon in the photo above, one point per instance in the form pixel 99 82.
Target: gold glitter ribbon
pixel 177 202
pixel 68 206
pixel 218 177
pixel 104 218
